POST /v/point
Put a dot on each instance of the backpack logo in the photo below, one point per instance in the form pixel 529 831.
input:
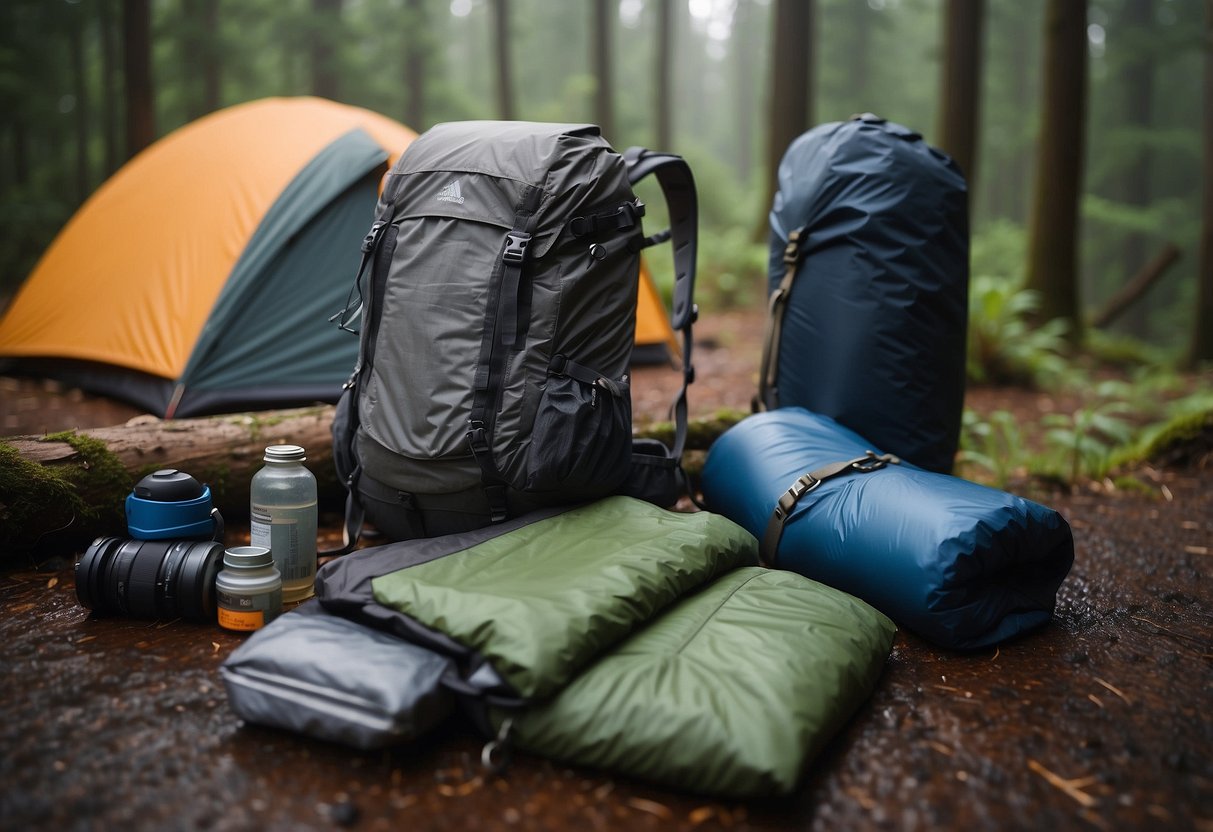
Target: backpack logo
pixel 451 193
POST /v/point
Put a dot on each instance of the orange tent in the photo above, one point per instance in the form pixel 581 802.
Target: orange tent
pixel 201 276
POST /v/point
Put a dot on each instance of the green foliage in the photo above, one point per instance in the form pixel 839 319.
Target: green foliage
pixel 732 270
pixel 1003 347
pixel 1086 439
pixel 998 250
pixel 995 445
pixel 1115 349
pixel 731 266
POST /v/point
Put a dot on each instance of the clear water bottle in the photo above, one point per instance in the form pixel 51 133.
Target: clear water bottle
pixel 283 509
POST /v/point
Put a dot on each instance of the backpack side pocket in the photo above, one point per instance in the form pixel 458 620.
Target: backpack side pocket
pixel 582 437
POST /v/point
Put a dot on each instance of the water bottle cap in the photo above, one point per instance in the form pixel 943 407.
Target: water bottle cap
pixel 284 453
pixel 168 485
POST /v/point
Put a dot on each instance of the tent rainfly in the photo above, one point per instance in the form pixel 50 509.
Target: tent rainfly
pixel 200 278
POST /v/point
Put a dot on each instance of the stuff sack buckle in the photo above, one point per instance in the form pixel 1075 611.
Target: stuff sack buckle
pixel 806 483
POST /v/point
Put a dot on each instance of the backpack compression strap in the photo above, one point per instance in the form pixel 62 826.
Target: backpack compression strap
pixel 501 332
pixel 767 397
pixel 678 186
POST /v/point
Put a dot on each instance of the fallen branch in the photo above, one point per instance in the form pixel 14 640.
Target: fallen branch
pixel 1072 788
pixel 1138 286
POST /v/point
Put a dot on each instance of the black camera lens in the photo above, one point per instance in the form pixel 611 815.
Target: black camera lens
pixel 150 578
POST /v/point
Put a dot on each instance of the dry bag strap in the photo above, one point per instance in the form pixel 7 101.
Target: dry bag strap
pixel 768 371
pixel 865 464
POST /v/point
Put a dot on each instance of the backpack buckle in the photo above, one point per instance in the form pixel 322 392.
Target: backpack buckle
pixel 372 236
pixel 515 247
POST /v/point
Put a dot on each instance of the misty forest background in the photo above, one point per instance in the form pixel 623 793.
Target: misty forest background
pixel 1084 127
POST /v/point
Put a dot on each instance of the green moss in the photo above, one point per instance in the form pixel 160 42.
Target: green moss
pixel 256 423
pixel 101 481
pixel 34 499
pixel 1180 442
pixel 1132 485
pixel 701 433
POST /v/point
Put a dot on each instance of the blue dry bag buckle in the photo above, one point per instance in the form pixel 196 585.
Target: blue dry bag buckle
pixel 805 483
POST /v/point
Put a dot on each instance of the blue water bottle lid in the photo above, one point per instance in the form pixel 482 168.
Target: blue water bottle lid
pixel 169 505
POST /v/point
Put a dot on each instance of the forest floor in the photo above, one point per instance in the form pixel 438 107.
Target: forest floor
pixel 1099 720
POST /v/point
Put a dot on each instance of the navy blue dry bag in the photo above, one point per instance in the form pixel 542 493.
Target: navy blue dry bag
pixel 869 275
pixel 960 564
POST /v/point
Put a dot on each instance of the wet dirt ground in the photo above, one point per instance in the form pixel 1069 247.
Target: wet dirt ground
pixel 1100 720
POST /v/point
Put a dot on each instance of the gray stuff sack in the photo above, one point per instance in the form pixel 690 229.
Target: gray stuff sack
pixel 334 679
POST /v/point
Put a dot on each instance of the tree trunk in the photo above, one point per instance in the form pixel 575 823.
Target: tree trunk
pixel 860 25
pixel 109 95
pixel 744 47
pixel 200 54
pixel 326 25
pixel 664 80
pixel 1137 81
pixel 961 94
pixel 791 90
pixel 505 68
pixel 137 75
pixel 600 45
pixel 1201 345
pixel 80 86
pixel 416 51
pixel 1053 233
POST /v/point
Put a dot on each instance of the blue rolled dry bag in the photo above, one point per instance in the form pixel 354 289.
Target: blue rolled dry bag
pixel 869 275
pixel 960 564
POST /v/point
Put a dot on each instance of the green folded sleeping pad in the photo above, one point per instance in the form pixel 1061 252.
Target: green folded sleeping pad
pixel 617 635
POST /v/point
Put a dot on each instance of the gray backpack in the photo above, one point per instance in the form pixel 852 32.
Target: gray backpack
pixel 497 298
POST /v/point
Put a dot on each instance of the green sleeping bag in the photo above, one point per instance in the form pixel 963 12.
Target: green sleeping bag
pixel 731 692
pixel 630 638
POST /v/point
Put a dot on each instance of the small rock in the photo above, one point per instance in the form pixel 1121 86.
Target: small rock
pixel 344 813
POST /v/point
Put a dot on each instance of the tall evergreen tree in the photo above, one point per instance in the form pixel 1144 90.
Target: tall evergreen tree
pixel 416 62
pixel 325 31
pixel 605 12
pixel 961 94
pixel 110 99
pixel 504 62
pixel 1137 83
pixel 200 56
pixel 664 71
pixel 137 74
pixel 80 88
pixel 1201 346
pixel 1053 232
pixel 790 87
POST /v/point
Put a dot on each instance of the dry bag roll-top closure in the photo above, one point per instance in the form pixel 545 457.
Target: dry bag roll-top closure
pixel 498 290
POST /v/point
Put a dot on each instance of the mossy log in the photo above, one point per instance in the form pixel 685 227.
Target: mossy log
pixel 73 485
pixel 61 489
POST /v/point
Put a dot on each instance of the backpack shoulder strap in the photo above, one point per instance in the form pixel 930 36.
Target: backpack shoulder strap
pixel 369 296
pixel 678 186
